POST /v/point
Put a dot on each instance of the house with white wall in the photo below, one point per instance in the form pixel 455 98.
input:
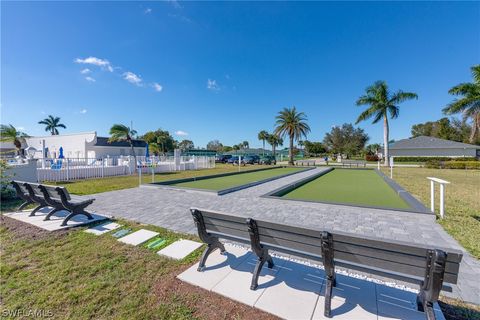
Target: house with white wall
pixel 82 145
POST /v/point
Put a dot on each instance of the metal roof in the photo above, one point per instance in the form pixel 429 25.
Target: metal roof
pixel 424 142
pixel 103 142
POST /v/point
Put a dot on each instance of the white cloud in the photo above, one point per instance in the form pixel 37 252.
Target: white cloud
pixel 83 111
pixel 175 4
pixel 181 133
pixel 103 63
pixel 132 78
pixel 158 87
pixel 147 11
pixel 85 71
pixel 212 85
pixel 90 79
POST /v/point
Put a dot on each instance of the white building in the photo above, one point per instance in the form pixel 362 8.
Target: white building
pixel 83 145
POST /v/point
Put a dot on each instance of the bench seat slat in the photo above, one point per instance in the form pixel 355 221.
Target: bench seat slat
pixel 224 230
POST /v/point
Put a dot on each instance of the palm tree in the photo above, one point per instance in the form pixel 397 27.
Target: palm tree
pixel 275 141
pixel 245 144
pixel 51 124
pixel 292 123
pixel 120 132
pixel 469 104
pixel 9 133
pixel 381 102
pixel 263 135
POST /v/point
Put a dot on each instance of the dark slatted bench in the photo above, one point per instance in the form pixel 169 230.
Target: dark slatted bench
pixel 354 163
pixel 59 197
pixel 52 196
pixel 430 267
pixel 305 163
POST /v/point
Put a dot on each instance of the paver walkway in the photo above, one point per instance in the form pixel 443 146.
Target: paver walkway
pixel 169 209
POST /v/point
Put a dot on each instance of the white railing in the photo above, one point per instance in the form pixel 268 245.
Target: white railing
pixel 77 168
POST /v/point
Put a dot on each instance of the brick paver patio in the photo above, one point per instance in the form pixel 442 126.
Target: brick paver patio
pixel 169 209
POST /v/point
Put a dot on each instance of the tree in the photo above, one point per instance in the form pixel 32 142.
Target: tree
pixel 381 103
pixel 244 145
pixel 214 145
pixel 314 148
pixel 51 124
pixel 292 123
pixel 263 136
pixel 450 129
pixel 469 103
pixel 372 149
pixel 236 147
pixel 226 149
pixel 346 140
pixel 275 141
pixel 120 132
pixel 186 145
pixel 9 133
pixel 160 141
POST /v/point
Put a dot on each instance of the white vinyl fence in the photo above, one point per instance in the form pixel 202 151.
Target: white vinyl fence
pixel 74 168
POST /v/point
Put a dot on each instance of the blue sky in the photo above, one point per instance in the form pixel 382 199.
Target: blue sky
pixel 222 70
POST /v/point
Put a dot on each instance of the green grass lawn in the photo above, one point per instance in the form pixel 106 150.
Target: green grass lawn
pixel 462 204
pixel 226 182
pixel 75 275
pixel 90 186
pixel 356 187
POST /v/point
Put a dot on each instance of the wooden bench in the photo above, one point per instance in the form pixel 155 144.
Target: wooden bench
pixel 430 267
pixel 354 163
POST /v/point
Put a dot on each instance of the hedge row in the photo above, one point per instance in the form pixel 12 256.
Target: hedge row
pixel 426 159
pixel 435 164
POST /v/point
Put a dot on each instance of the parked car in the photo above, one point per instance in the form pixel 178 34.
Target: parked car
pixel 268 160
pixel 251 159
pixel 233 160
pixel 223 158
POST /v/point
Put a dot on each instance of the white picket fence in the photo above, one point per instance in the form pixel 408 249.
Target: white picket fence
pixel 73 168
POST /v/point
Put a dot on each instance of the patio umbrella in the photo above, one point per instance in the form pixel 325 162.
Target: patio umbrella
pixel 147 153
pixel 60 156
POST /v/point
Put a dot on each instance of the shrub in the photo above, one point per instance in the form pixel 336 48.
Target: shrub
pixel 436 164
pixel 371 157
pixel 6 190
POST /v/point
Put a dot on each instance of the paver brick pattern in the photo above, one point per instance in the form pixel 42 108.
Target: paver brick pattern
pixel 170 209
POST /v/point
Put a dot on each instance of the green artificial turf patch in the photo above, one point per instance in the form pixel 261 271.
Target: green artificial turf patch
pixel 221 183
pixel 350 186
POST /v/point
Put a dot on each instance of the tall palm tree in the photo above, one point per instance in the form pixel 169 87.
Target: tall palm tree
pixel 9 133
pixel 275 141
pixel 245 144
pixel 469 103
pixel 263 136
pixel 381 103
pixel 120 132
pixel 292 123
pixel 51 124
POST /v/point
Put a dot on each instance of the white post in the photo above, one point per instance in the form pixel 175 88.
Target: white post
pixel 442 202
pixel 239 161
pixel 432 195
pixel 139 176
pixel 43 154
pixel 378 165
pixel 68 169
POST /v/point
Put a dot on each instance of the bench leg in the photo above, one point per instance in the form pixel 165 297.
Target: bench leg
pixel 23 205
pixel 209 249
pixel 328 297
pixel 36 209
pixel 54 210
pixel 74 213
pixel 432 284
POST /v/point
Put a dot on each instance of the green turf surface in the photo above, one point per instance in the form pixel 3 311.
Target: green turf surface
pixel 357 187
pixel 226 182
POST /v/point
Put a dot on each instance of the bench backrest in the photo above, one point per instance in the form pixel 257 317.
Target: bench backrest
pixel 401 260
pixel 51 190
pixel 225 226
pixel 36 190
pixel 21 187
